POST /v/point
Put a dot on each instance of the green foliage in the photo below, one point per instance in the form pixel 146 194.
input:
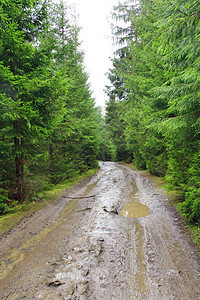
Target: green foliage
pixel 48 127
pixel 154 92
pixel 4 201
pixel 194 230
pixel 7 205
pixel 115 126
pixel 107 150
pixel 191 206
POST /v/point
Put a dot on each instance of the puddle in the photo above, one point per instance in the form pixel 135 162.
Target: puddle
pixel 134 210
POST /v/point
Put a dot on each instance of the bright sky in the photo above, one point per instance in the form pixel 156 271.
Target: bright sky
pixel 97 43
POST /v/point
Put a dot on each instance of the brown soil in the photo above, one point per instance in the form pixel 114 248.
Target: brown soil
pixel 124 242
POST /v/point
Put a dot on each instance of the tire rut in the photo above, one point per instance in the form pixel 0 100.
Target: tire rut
pixel 87 250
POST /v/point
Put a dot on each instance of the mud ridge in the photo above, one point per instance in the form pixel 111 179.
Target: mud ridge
pixel 113 237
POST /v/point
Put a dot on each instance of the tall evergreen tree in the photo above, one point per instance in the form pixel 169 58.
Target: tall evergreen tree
pixel 48 119
pixel 158 67
pixel 20 63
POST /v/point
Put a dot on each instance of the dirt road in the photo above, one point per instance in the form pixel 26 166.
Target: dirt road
pixel 122 242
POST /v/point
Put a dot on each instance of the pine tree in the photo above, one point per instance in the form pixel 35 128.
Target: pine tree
pixel 48 119
pixel 21 23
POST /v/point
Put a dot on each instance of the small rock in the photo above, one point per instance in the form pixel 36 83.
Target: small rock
pixel 55 283
pixel 79 267
pixel 112 210
pixel 86 272
pixel 32 233
pixel 100 240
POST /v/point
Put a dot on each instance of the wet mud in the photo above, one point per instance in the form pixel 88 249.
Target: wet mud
pixel 115 238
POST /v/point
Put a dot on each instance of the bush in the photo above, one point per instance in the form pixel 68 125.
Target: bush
pixel 4 202
pixel 191 206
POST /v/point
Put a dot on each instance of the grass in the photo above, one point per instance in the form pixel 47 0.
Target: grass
pixel 194 230
pixel 7 222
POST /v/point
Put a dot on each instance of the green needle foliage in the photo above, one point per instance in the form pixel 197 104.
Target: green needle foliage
pixel 154 92
pixel 48 122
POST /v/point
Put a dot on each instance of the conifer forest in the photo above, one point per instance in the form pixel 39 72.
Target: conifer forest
pixel 47 115
pixel 153 112
pixel 50 128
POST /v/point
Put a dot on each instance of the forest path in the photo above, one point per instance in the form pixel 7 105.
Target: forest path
pixel 124 242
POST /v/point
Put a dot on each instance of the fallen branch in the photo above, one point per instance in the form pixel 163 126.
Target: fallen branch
pixel 80 197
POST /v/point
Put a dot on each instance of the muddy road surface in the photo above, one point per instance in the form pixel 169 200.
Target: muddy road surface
pixel 113 237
